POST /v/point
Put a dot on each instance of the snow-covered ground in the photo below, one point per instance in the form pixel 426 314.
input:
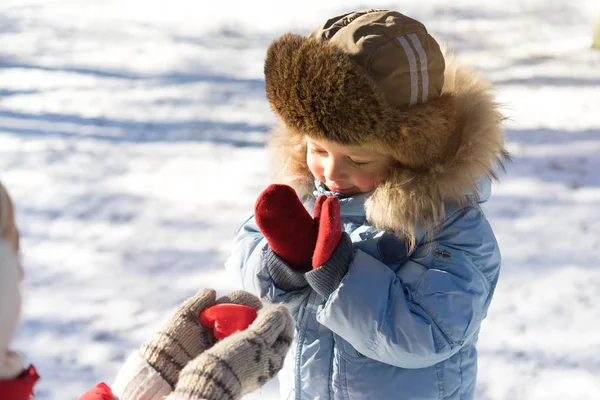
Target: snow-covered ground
pixel 132 138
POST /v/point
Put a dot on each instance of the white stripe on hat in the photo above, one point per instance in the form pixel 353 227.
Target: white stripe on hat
pixel 414 75
pixel 423 58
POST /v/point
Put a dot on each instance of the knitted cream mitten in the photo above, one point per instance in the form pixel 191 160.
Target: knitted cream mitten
pixel 241 362
pixel 152 372
pixel 180 339
pixel 183 338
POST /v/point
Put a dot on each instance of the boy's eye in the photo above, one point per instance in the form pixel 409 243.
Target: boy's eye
pixel 359 163
pixel 317 151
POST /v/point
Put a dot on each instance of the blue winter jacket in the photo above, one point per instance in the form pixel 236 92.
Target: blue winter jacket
pixel 400 325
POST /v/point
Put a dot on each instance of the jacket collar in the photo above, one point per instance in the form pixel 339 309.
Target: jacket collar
pixel 350 206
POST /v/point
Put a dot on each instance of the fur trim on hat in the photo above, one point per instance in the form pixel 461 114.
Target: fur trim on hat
pixel 317 90
pixel 442 147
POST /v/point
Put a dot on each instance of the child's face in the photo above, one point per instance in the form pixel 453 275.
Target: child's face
pixel 346 169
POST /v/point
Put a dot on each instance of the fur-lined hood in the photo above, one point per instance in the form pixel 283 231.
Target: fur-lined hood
pixel 443 147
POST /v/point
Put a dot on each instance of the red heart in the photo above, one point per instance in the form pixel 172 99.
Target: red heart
pixel 225 319
pixel 99 392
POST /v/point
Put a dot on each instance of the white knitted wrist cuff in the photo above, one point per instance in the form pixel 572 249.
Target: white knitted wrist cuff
pixel 175 396
pixel 137 380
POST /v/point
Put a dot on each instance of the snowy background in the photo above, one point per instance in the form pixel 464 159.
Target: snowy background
pixel 132 139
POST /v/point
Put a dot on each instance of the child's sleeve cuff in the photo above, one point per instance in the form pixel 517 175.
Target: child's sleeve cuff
pixel 325 279
pixel 284 277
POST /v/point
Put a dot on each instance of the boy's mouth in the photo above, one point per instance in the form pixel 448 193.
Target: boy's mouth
pixel 338 189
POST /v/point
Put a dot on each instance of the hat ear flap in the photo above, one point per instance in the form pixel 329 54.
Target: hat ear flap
pixel 279 70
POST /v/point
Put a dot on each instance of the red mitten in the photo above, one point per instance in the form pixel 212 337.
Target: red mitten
pixel 330 231
pixel 226 318
pixel 317 209
pixel 287 226
pixel 99 392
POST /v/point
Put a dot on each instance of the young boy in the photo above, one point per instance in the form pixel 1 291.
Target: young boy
pixel 393 148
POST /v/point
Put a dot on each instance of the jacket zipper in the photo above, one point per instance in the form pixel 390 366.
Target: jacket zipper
pixel 301 334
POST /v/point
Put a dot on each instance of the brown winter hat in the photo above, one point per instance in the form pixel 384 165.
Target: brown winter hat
pixel 365 78
pixel 396 51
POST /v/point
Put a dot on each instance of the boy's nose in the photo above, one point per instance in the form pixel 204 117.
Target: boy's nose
pixel 335 171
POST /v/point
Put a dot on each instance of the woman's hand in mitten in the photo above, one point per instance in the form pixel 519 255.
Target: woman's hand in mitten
pixel 241 362
pixel 153 373
pixel 333 250
pixel 182 337
pixel 287 226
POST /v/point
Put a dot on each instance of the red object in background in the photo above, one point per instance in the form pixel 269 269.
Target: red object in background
pixel 99 392
pixel 225 319
pixel 20 388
